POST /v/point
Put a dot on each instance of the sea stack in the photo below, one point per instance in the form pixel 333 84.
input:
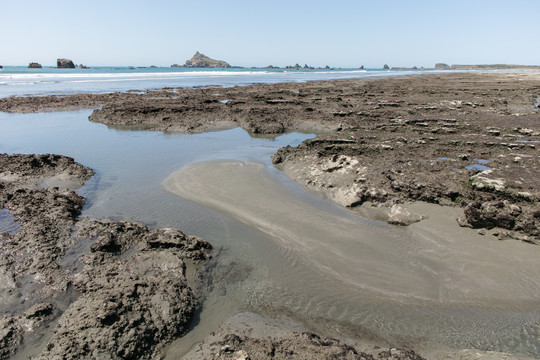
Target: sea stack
pixel 202 61
pixel 65 64
pixel 442 66
pixel 34 65
pixel 386 67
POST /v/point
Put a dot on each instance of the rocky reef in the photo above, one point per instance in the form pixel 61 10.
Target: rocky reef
pixel 34 65
pixel 126 296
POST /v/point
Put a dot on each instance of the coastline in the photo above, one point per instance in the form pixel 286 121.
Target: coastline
pixel 407 140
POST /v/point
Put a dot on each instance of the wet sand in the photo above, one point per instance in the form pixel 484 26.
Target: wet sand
pixel 429 286
pixel 432 261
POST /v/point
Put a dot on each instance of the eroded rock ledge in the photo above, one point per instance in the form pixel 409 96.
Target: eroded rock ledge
pixel 127 295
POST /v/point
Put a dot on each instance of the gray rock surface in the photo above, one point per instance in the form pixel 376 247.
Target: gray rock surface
pixel 135 296
pixel 402 216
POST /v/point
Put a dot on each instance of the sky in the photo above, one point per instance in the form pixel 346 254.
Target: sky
pixel 339 33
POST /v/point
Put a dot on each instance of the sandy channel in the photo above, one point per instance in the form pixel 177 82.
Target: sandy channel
pixel 434 261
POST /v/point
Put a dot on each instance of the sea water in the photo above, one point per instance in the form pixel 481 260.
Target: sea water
pixel 18 80
pixel 131 167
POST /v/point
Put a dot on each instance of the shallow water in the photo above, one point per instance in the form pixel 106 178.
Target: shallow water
pixel 274 275
pixel 8 223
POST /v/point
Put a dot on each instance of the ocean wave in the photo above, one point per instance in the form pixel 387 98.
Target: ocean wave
pixel 130 75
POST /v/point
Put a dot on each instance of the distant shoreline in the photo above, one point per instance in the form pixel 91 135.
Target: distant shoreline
pixel 300 68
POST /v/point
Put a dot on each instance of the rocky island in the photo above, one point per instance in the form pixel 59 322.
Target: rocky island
pixel 202 61
pixel 34 65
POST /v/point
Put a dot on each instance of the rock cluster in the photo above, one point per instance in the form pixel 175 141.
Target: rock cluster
pixel 34 65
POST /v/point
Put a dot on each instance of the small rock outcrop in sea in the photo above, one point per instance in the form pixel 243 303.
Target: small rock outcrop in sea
pixel 65 64
pixel 442 66
pixel 386 67
pixel 34 65
pixel 1 67
pixel 202 61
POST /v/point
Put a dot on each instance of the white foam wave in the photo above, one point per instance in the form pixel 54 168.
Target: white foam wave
pixel 131 75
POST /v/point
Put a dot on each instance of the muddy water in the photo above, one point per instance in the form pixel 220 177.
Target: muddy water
pixel 285 251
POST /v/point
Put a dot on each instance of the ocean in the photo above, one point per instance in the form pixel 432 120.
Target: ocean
pixel 21 81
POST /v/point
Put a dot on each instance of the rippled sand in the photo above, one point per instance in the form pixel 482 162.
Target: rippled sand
pixel 433 281
pixel 433 261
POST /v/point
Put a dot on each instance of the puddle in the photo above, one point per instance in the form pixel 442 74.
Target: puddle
pixel 70 260
pixel 224 101
pixel 528 141
pixel 444 159
pixel 478 167
pixel 481 161
pixel 8 223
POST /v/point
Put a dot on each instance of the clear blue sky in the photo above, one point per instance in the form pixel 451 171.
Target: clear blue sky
pixel 260 33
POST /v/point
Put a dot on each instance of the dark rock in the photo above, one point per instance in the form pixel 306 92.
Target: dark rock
pixel 386 67
pixel 489 215
pixel 10 336
pixel 34 65
pixel 65 64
